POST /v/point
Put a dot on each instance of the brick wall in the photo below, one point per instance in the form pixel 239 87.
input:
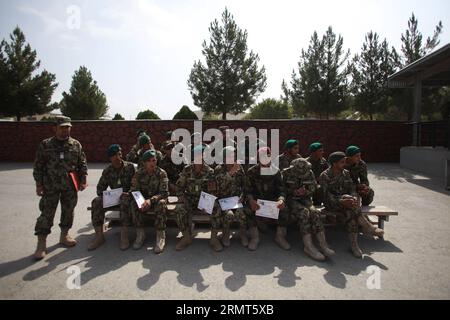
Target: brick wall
pixel 380 140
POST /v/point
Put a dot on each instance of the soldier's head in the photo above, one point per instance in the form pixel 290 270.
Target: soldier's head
pixel 140 132
pixel 168 149
pixel 229 155
pixel 149 159
pixel 114 153
pixel 353 154
pixel 316 150
pixel 291 147
pixel 337 160
pixel 144 142
pixel 168 135
pixel 62 128
pixel 265 156
pixel 301 166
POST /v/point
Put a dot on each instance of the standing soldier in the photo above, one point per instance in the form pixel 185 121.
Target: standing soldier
pixel 60 171
pixel 266 187
pixel 318 165
pixel 132 155
pixel 173 170
pixel 230 178
pixel 340 196
pixel 153 184
pixel 117 175
pixel 291 152
pixel 358 171
pixel 299 184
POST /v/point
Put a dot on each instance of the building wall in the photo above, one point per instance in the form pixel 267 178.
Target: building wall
pixel 380 141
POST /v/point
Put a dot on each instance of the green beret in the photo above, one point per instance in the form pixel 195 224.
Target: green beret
pixel 335 157
pixel 148 155
pixel 352 150
pixel 140 132
pixel 144 139
pixel 113 150
pixel 290 144
pixel 313 147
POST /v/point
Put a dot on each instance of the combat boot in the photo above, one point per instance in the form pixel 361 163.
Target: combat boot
pixel 98 240
pixel 254 239
pixel 369 228
pixel 124 241
pixel 160 241
pixel 184 242
pixel 215 243
pixel 324 245
pixel 140 238
pixel 226 237
pixel 310 249
pixel 354 245
pixel 41 249
pixel 280 238
pixel 243 236
pixel 65 239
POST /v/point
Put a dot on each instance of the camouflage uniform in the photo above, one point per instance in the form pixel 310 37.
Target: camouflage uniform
pixel 114 178
pixel 173 170
pixel 189 186
pixel 229 186
pixel 301 207
pixel 266 187
pixel 358 172
pixel 132 156
pixel 318 166
pixel 284 161
pixel 156 184
pixel 55 159
pixel 334 188
pixel 140 154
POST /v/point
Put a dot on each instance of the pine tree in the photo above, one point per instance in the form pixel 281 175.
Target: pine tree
pixel 147 115
pixel 185 114
pixel 118 116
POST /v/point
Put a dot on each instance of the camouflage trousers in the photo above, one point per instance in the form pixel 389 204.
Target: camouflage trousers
pixel 98 212
pixel 159 209
pixel 350 216
pixel 306 215
pixel 368 199
pixel 47 206
pixel 224 218
pixel 318 197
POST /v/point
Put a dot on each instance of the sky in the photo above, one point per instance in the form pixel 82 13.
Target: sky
pixel 141 52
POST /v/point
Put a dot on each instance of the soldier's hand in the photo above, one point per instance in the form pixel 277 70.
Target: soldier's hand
pixel 281 205
pixel 147 204
pixel 83 186
pixel 124 194
pixel 254 205
pixel 348 202
pixel 40 191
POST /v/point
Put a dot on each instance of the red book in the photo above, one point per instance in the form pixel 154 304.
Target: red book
pixel 75 180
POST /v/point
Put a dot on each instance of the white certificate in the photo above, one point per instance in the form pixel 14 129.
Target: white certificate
pixel 267 209
pixel 230 203
pixel 206 202
pixel 139 198
pixel 111 198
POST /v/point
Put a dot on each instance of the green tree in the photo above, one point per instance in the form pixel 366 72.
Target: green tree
pixel 230 80
pixel 118 116
pixel 147 114
pixel 270 109
pixel 24 91
pixel 85 101
pixel 185 114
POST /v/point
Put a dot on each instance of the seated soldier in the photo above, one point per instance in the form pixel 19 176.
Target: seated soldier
pixel 195 178
pixel 340 196
pixel 318 165
pixel 299 185
pixel 117 175
pixel 153 183
pixel 291 152
pixel 230 181
pixel 145 144
pixel 358 171
pixel 173 170
pixel 132 155
pixel 266 187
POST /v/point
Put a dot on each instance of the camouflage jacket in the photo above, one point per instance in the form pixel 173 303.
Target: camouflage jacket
pixel 156 184
pixel 358 172
pixel 116 178
pixel 318 166
pixel 227 185
pixel 335 186
pixel 294 179
pixel 191 184
pixel 55 159
pixel 264 187
pixel 132 156
pixel 173 170
pixel 284 161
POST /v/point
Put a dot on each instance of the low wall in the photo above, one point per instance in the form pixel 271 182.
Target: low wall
pixel 428 160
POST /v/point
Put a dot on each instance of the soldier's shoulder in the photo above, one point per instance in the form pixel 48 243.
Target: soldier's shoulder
pixel 362 164
pixel 325 174
pixel 162 172
pixel 253 170
pixel 74 142
pixel 129 165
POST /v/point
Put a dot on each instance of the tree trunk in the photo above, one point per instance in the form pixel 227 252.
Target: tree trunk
pixel 19 117
pixel 224 116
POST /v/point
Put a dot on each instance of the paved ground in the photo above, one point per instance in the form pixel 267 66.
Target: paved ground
pixel 413 260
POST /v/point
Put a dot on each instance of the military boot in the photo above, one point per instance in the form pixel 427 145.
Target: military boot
pixel 65 239
pixel 98 240
pixel 280 238
pixel 369 228
pixel 254 239
pixel 226 235
pixel 324 245
pixel 41 249
pixel 124 240
pixel 243 236
pixel 354 245
pixel 160 241
pixel 310 249
pixel 140 238
pixel 185 241
pixel 215 243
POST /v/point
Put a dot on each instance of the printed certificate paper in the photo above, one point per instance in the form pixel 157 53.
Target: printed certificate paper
pixel 206 202
pixel 139 198
pixel 267 209
pixel 230 203
pixel 111 198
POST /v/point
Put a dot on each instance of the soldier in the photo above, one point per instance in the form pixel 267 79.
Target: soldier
pixel 340 196
pixel 167 141
pixel 60 171
pixel 318 165
pixel 291 152
pixel 145 144
pixel 153 184
pixel 358 171
pixel 299 184
pixel 117 175
pixel 194 179
pixel 173 170
pixel 230 178
pixel 266 187
pixel 132 155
